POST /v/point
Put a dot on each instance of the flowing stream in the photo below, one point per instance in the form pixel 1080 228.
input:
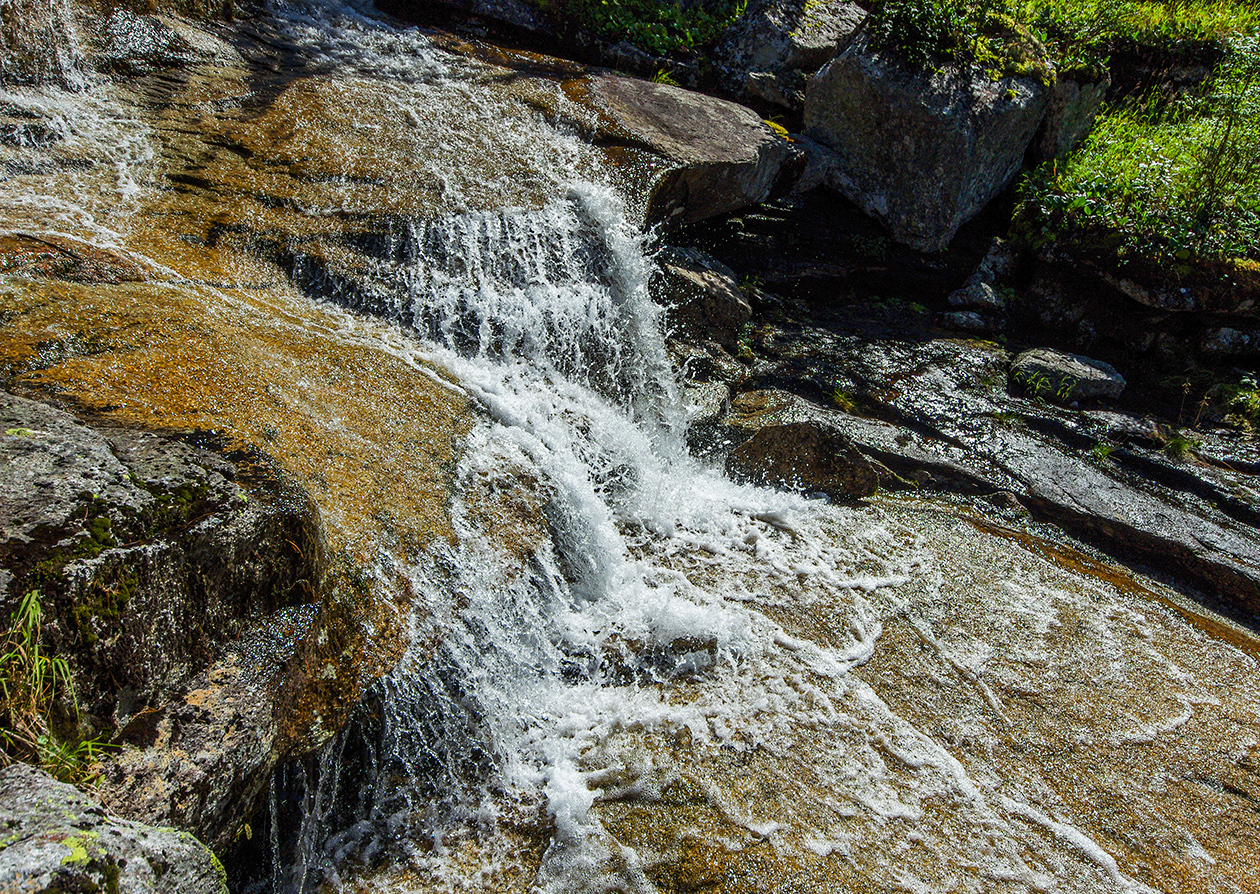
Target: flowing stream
pixel 612 608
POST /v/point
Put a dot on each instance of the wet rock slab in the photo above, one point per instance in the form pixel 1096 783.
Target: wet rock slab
pixel 944 416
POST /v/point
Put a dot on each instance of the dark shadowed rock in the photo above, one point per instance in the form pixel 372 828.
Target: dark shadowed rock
pixel 1065 378
pixel 777 44
pixel 788 445
pixel 516 13
pixel 703 298
pixel 149 554
pixel 56 840
pixel 921 152
pixel 177 585
pixel 721 155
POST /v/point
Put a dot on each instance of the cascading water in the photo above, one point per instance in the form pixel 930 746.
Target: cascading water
pixel 611 617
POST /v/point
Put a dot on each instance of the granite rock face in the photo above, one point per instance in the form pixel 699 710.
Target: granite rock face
pixel 56 839
pixel 721 155
pixel 776 45
pixel 923 153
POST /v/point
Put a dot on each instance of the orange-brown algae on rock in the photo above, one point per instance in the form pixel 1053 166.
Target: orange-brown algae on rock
pixel 371 437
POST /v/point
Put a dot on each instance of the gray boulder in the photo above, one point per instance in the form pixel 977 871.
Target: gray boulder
pixel 703 298
pixel 1064 378
pixel 777 44
pixel 1074 105
pixel 54 839
pixel 921 152
pixel 719 156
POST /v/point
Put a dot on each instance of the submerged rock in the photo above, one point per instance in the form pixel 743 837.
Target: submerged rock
pixel 921 152
pixel 37 44
pixel 1064 378
pixel 56 839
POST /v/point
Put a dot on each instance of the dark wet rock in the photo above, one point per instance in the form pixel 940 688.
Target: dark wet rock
pixel 149 553
pixel 1064 378
pixel 786 445
pixel 967 321
pixel 922 152
pixel 516 13
pixel 804 457
pixel 1074 105
pixel 55 840
pixel 981 288
pixel 703 298
pixel 721 155
pixel 177 585
pixel 132 45
pixel 772 49
pixel 202 761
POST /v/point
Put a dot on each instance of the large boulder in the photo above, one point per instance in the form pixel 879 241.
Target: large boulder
pixel 149 553
pixel 1074 104
pixel 720 156
pixel 177 585
pixel 54 839
pixel 923 152
pixel 776 45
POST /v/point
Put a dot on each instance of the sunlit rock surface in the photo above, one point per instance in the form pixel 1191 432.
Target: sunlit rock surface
pixel 587 660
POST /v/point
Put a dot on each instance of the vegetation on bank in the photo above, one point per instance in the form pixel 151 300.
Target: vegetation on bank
pixel 1169 176
pixel 651 25
pixel 1171 172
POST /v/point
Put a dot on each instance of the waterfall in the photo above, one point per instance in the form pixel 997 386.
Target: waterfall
pixel 585 579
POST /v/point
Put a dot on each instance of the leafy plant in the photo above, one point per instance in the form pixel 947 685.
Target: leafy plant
pixel 659 28
pixel 1177 446
pixel 843 400
pixel 1101 452
pixel 925 34
pixel 663 76
pixel 32 684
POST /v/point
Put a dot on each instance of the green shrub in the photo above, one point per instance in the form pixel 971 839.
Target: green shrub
pixel 924 34
pixel 1172 183
pixel 659 28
